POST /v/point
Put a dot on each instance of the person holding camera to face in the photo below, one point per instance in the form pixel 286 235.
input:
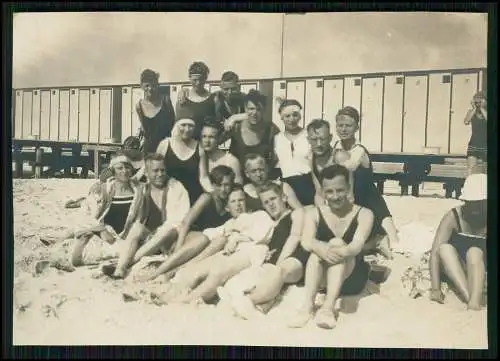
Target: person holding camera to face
pixel 477 149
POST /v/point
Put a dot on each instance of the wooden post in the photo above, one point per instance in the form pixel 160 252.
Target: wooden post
pixel 18 161
pixel 96 163
pixel 38 162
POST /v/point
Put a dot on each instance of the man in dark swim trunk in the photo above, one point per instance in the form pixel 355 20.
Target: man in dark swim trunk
pixel 164 205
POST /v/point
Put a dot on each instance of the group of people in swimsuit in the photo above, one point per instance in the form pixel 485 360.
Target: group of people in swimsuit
pixel 279 208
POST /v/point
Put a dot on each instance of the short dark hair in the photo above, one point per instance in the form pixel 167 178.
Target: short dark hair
pixel 316 124
pixel 219 172
pixel 211 122
pixel 271 186
pixel 288 102
pixel 256 97
pixel 237 187
pixel 350 112
pixel 230 76
pixel 153 157
pixel 199 67
pixel 253 156
pixel 149 76
pixel 131 142
pixel 333 171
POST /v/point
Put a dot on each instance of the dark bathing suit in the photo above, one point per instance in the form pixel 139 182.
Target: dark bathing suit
pixel 265 147
pixel 278 239
pixel 118 212
pixel 463 242
pixel 154 217
pixel 478 143
pixel 186 172
pixel 366 193
pixel 158 127
pixel 210 217
pixel 356 282
pixel 198 111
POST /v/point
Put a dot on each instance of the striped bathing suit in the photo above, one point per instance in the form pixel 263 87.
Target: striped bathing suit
pixel 118 212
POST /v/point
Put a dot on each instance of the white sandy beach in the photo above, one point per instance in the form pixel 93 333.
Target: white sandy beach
pixel 84 308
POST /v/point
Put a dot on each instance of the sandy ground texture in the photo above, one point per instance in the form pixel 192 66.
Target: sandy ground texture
pixel 57 307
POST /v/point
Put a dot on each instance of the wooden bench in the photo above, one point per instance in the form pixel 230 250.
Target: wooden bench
pixel 452 175
pixel 383 171
pixel 96 150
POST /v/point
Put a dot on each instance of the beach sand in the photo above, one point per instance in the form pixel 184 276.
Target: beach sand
pixel 84 308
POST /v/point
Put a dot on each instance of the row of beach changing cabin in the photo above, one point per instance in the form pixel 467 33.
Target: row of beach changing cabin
pixel 407 118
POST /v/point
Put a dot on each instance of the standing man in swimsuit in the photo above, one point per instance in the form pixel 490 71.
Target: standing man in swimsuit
pixel 229 100
pixel 155 112
pixel 334 233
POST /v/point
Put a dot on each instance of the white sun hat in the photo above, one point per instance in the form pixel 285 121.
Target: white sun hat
pixel 475 188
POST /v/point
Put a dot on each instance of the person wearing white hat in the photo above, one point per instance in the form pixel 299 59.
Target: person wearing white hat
pixel 115 204
pixel 458 253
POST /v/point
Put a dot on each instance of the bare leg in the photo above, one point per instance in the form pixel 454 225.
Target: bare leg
pixel 137 233
pixel 216 245
pixel 454 269
pixel 472 163
pixel 157 242
pixel 475 274
pixel 313 275
pixel 195 243
pixel 335 277
pixel 80 244
pixel 288 271
pixel 226 269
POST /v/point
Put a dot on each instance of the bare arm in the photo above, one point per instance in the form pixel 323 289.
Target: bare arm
pixel 310 226
pixel 443 235
pixel 357 155
pixel 140 131
pixel 365 225
pixel 203 170
pixel 291 197
pixel 293 240
pixel 318 199
pixel 236 167
pixel 191 217
pixel 468 116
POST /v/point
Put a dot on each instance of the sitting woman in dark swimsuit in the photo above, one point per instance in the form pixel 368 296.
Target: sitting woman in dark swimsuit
pixel 209 211
pixel 334 233
pixel 182 157
pixel 198 99
pixel 155 111
pixel 459 249
pixel 253 134
pixel 115 204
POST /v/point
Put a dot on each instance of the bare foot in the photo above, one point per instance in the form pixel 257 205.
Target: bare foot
pixel 474 307
pixel 325 318
pixel 300 318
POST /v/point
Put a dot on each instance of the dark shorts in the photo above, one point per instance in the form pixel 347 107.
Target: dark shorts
pixel 462 243
pixel 356 282
pixel 303 187
pixel 478 152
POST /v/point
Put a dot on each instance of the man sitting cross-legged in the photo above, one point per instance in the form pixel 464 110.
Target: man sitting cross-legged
pixel 165 204
pixel 246 235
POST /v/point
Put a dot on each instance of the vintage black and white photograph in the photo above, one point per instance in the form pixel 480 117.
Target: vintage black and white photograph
pixel 259 179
